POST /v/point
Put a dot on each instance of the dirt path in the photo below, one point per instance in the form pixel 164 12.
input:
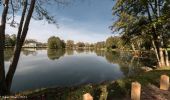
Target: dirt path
pixel 151 92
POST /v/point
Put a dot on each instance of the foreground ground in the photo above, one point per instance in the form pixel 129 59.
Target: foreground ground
pixel 116 90
pixel 151 92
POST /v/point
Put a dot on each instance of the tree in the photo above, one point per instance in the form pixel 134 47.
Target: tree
pixel 8 40
pixel 52 43
pixel 100 45
pixel 115 43
pixel 80 45
pixel 13 38
pixel 70 44
pixel 63 44
pixel 144 19
pixel 55 43
pixel 110 43
pixel 26 9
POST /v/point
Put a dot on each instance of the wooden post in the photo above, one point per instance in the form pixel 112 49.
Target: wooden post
pixel 135 91
pixel 87 96
pixel 104 93
pixel 164 82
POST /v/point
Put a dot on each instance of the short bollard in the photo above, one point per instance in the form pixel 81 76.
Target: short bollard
pixel 164 82
pixel 87 96
pixel 135 91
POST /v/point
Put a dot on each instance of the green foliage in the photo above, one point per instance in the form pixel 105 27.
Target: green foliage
pixel 63 44
pixel 10 40
pixel 100 45
pixel 142 21
pixel 110 43
pixel 80 44
pixel 55 43
pixel 70 44
pixel 114 42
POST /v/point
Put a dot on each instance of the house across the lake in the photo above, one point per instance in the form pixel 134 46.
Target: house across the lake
pixel 30 43
pixel 33 45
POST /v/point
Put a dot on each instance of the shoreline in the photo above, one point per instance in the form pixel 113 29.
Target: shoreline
pixel 114 89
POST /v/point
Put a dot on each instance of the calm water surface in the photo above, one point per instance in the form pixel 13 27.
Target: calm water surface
pixel 53 68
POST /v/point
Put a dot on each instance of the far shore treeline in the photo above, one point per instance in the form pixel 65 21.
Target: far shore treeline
pixel 54 42
pixel 112 42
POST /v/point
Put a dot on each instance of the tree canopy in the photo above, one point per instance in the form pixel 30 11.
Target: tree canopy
pixel 144 20
pixel 27 9
pixel 70 44
pixel 55 43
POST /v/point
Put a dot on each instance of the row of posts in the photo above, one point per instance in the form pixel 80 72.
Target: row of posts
pixel 136 89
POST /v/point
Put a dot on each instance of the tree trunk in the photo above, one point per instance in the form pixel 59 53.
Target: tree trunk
pixel 156 42
pixel 166 57
pixel 156 52
pixel 18 48
pixel 162 60
pixel 2 46
pixel 133 47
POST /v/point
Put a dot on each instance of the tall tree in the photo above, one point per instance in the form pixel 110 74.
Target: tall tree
pixel 55 43
pixel 9 9
pixel 70 44
pixel 146 19
pixel 3 88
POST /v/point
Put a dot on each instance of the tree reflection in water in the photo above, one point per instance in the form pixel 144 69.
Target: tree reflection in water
pixel 54 54
pixel 127 62
pixel 69 52
pixel 80 50
pixel 8 54
pixel 30 51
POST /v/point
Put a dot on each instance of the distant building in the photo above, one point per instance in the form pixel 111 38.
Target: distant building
pixel 33 45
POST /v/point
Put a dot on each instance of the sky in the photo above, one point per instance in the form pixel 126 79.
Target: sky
pixel 81 20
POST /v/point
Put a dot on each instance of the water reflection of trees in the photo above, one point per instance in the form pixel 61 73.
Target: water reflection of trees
pixel 69 51
pixel 86 51
pixel 127 62
pixel 8 54
pixel 30 51
pixel 100 52
pixel 124 60
pixel 80 50
pixel 55 53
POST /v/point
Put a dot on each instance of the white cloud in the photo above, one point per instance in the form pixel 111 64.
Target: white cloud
pixel 41 31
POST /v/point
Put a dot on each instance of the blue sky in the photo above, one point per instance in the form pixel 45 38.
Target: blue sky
pixel 81 20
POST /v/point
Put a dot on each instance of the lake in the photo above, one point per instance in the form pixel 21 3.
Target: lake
pixel 41 68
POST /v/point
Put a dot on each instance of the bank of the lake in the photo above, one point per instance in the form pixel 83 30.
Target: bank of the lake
pixel 113 90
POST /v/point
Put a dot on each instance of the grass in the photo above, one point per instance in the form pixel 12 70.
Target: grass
pixel 168 49
pixel 152 77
